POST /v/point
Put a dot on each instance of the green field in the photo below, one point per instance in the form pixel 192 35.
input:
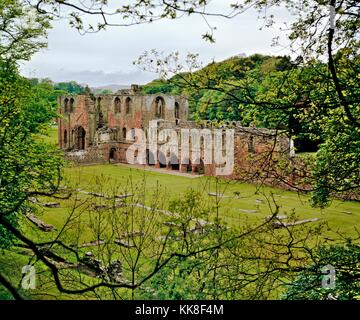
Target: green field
pixel 237 197
pixel 342 215
pixel 239 204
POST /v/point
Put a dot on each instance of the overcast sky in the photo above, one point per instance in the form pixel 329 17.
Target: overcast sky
pixel 106 57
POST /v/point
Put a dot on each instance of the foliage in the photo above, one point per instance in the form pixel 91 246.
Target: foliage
pixel 70 87
pixel 345 260
pixel 27 166
pixel 315 96
pixel 213 91
pixel 300 100
pixel 22 30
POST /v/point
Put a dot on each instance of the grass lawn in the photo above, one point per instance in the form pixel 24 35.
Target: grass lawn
pixel 240 201
pixel 250 205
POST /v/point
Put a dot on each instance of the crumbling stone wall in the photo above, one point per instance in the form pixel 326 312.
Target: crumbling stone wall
pixel 92 129
pixel 102 121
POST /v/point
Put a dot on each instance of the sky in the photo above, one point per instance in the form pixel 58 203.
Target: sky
pixel 106 57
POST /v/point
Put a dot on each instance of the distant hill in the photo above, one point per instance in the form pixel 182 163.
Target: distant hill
pixel 110 87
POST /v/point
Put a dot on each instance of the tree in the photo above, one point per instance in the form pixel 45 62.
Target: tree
pixel 70 87
pixel 344 261
pixel 29 168
pixel 22 30
pixel 315 97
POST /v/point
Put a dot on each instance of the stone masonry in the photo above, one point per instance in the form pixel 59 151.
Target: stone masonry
pixel 94 128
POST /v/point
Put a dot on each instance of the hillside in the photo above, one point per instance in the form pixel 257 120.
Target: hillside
pixel 216 91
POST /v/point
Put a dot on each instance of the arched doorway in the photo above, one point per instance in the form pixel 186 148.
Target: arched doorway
pixel 112 154
pixel 80 138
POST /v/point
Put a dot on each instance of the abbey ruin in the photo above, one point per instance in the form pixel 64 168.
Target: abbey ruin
pixel 95 129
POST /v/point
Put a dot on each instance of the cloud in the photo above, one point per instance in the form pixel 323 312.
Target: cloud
pixel 99 78
pixel 106 57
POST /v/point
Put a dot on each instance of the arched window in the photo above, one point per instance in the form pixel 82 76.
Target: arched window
pixel 124 133
pixel 117 105
pixel 71 105
pixel 128 104
pixel 66 105
pixel 177 111
pixel 98 102
pixel 65 138
pixel 159 107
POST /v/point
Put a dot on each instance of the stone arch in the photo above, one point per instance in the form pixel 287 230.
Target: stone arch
pixel 66 105
pixel 128 105
pixel 177 110
pixel 80 134
pixel 159 106
pixel 117 105
pixel 71 104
